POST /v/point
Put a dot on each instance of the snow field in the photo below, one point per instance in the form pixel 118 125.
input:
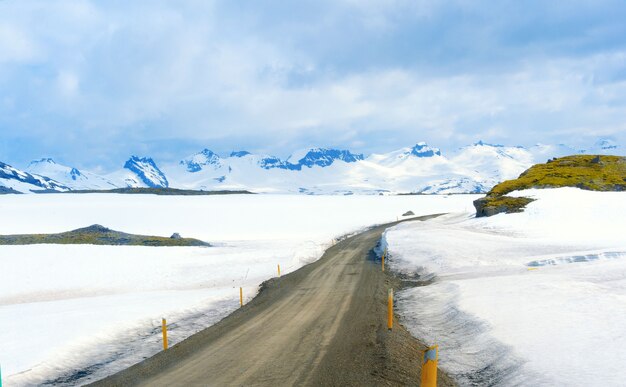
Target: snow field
pixel 97 309
pixel 535 298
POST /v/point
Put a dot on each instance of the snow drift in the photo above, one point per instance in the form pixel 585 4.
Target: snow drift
pixel 535 298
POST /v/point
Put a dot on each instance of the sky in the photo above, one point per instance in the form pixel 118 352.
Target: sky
pixel 90 83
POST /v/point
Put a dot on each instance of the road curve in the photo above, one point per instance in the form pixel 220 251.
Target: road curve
pixel 324 324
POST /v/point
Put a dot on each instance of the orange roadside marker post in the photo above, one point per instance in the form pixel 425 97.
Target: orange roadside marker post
pixel 383 259
pixel 390 309
pixel 429 367
pixel 164 330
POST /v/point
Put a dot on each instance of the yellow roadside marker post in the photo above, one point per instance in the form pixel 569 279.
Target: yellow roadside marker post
pixel 240 296
pixel 164 330
pixel 429 367
pixel 390 309
pixel 279 269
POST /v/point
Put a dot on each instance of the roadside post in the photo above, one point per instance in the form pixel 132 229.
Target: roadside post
pixel 390 309
pixel 383 259
pixel 240 297
pixel 164 330
pixel 279 270
pixel 429 367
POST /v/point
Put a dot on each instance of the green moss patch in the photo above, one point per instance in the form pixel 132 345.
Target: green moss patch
pixel 590 172
pixel 595 173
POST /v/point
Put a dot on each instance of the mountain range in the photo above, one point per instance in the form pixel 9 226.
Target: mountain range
pixel 417 169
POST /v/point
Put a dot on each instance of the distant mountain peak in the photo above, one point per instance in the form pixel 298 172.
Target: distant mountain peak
pixel 269 162
pixel 421 149
pixel 45 160
pixel 324 157
pixel 146 169
pixel 239 153
pixel 208 153
pixel 321 157
pixel 205 157
pixel 606 144
pixel 482 143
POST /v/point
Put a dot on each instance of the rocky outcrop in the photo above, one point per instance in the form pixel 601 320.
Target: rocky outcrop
pixel 489 206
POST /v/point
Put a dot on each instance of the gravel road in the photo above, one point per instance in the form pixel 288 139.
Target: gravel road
pixel 322 325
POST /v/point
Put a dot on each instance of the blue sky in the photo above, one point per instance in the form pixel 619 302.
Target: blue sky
pixel 90 83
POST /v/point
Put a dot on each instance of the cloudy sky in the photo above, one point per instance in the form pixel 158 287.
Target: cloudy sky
pixel 92 82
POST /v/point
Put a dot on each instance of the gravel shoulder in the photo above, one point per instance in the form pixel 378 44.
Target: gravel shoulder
pixel 324 324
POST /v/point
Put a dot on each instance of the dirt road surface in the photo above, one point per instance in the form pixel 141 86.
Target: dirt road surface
pixel 322 325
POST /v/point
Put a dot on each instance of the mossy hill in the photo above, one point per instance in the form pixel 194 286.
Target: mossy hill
pixel 590 172
pixel 99 235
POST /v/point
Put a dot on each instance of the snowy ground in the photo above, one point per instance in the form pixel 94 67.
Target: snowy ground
pixel 70 314
pixel 536 298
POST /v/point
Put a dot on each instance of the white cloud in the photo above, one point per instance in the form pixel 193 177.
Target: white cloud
pixel 364 73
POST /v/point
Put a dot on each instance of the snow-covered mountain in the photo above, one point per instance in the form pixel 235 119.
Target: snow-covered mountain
pixel 69 176
pixel 309 158
pixel 13 180
pixel 421 149
pixel 417 169
pixel 146 170
pixel 320 157
pixel 605 146
pixel 200 160
pixel 543 152
pixel 490 164
pixel 137 172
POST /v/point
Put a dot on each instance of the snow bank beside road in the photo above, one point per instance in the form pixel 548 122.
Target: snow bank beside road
pixel 499 323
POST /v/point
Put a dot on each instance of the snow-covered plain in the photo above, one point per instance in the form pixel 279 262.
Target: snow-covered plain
pixel 72 314
pixel 536 298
